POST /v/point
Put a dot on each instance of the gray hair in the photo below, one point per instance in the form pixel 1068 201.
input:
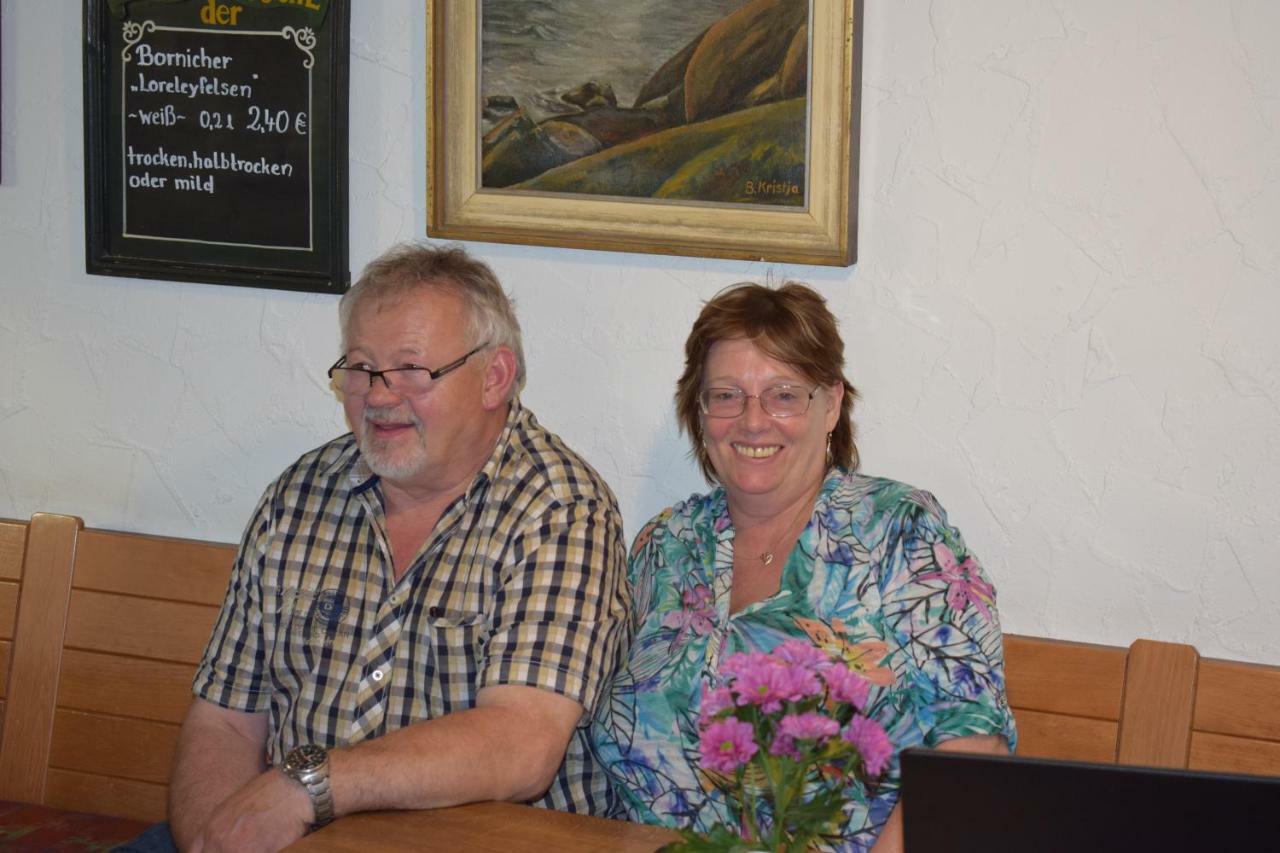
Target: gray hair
pixel 409 267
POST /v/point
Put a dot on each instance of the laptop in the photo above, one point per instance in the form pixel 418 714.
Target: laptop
pixel 957 803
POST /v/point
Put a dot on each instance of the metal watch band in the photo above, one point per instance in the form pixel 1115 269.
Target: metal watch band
pixel 309 766
pixel 321 798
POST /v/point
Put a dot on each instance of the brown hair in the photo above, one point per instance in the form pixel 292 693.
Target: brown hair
pixel 790 324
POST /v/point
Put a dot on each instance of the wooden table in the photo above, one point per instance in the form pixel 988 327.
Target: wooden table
pixel 496 827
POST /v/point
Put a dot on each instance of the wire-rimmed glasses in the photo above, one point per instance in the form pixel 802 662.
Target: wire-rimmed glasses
pixel 409 380
pixel 780 401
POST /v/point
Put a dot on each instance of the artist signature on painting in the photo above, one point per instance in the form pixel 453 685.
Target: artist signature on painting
pixel 772 188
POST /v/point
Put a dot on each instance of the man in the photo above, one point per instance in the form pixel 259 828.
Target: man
pixel 423 611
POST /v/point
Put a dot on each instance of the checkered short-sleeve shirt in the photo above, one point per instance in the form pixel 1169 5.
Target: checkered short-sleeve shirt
pixel 523 581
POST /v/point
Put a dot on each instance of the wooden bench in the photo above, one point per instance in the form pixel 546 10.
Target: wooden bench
pixel 1235 724
pixel 109 629
pixel 1102 703
pixel 13 545
pixel 111 625
pixel 1155 704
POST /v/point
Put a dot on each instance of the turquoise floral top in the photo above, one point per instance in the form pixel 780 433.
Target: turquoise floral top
pixel 878 576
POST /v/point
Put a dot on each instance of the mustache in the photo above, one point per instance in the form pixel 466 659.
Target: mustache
pixel 390 415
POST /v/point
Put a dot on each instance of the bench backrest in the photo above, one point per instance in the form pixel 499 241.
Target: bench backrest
pixel 1066 697
pixel 1236 724
pixel 1086 702
pixel 1156 704
pixel 110 628
pixel 13 544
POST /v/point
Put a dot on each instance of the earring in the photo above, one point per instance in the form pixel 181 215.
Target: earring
pixel 828 450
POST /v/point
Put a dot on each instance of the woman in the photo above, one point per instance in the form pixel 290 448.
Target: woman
pixel 793 544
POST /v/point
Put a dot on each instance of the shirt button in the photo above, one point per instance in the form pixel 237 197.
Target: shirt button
pixel 377 675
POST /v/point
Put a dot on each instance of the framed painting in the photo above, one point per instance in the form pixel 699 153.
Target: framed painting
pixel 721 128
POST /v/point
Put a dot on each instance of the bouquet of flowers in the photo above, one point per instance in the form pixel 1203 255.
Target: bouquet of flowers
pixel 782 737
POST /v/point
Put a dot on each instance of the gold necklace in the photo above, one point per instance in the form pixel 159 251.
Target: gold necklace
pixel 766 557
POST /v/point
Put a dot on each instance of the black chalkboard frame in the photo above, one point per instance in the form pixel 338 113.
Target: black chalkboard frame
pixel 324 268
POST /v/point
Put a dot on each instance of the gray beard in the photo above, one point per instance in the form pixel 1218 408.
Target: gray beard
pixel 399 466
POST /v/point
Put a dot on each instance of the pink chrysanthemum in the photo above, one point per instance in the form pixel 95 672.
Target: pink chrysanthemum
pixel 740 662
pixel 803 654
pixel 872 743
pixel 726 744
pixel 768 682
pixel 846 685
pixel 713 702
pixel 807 726
pixel 784 746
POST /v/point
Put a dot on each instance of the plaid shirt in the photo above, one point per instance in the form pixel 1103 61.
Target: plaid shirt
pixel 523 581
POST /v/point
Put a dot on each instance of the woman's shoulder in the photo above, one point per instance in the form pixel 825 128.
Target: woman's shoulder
pixel 850 486
pixel 867 501
pixel 697 505
pixel 680 519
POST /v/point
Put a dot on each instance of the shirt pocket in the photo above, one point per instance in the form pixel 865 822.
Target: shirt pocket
pixel 455 639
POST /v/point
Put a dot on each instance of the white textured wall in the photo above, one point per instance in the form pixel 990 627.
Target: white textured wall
pixel 1061 321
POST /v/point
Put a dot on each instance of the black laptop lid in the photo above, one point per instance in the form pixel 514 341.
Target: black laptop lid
pixel 956 803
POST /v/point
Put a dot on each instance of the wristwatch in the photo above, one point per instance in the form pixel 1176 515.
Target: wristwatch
pixel 309 765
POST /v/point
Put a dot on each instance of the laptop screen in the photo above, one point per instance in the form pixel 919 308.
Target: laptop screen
pixel 956 803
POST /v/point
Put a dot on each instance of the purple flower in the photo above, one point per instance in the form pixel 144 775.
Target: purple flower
pixel 697 613
pixel 802 654
pixel 803 684
pixel 726 744
pixel 785 746
pixel 736 664
pixel 807 726
pixel 846 685
pixel 713 702
pixel 872 743
pixel 965 584
pixel 767 682
pixel 765 687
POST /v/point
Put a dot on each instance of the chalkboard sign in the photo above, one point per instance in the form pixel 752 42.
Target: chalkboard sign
pixel 216 141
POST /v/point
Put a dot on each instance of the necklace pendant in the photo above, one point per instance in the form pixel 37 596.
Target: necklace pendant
pixel 766 558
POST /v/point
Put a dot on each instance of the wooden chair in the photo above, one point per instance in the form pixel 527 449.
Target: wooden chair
pixel 1087 702
pixel 109 629
pixel 13 544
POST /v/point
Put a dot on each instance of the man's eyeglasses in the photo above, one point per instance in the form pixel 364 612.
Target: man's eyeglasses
pixel 780 401
pixel 407 381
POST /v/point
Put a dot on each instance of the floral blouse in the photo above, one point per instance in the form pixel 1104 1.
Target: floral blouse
pixel 877 577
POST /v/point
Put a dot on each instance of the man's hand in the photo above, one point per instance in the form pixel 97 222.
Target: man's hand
pixel 268 814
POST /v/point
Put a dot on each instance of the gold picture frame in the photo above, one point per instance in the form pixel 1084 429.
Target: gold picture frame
pixel 821 231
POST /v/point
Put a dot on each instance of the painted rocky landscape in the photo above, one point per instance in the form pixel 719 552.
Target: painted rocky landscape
pixel 721 119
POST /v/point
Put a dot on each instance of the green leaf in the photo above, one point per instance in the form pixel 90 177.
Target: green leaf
pixel 720 839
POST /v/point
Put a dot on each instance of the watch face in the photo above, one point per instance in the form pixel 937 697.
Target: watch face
pixel 306 758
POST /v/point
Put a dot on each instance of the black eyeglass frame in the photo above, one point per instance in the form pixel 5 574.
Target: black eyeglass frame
pixel 435 374
pixel 703 405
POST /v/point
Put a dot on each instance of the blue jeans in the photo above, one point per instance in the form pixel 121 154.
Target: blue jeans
pixel 155 839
